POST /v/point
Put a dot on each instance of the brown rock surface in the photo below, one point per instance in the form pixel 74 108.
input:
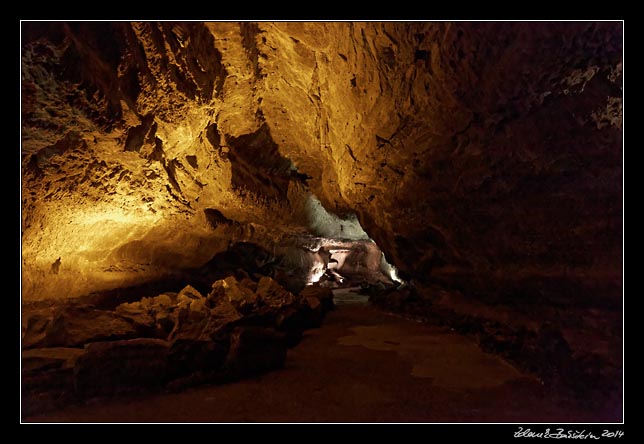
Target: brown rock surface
pixel 43 359
pixel 477 149
pixel 107 367
pixel 484 158
pixel 74 326
pixel 210 342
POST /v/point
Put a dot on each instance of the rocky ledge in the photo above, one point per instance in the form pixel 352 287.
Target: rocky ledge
pixel 241 328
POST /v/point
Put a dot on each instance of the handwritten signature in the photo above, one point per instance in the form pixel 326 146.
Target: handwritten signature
pixel 567 434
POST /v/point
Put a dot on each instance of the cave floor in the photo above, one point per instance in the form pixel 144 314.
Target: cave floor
pixel 363 365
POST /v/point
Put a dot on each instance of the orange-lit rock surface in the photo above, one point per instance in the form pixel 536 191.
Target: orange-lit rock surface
pixel 479 155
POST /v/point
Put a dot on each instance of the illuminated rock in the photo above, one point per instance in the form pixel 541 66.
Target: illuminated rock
pixel 485 159
pixel 188 294
pixel 149 147
pixel 273 295
pixel 240 296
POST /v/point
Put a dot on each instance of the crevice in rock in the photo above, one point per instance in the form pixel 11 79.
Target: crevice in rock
pixel 257 165
pixel 249 32
pixel 137 134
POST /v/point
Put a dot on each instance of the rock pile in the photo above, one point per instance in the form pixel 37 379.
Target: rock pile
pixel 241 328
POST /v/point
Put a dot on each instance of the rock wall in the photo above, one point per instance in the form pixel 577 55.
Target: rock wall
pixel 483 156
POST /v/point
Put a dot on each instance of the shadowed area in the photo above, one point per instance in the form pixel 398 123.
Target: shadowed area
pixel 362 366
pixel 196 197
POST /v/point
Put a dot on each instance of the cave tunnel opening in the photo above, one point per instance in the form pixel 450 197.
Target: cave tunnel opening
pixel 331 252
pixel 196 197
pixel 335 253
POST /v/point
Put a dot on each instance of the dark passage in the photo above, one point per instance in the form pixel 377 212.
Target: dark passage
pixel 362 366
pixel 322 221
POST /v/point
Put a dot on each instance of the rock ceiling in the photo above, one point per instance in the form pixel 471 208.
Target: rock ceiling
pixel 474 153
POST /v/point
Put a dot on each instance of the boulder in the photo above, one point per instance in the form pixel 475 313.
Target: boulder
pixel 43 391
pixel 242 298
pixel 222 320
pixel 189 322
pixel 323 294
pixel 44 359
pixel 249 283
pixel 273 295
pixel 163 302
pixel 255 350
pixel 158 313
pixel 48 378
pixel 108 367
pixel 240 329
pixel 74 326
pixel 189 293
pixel 188 356
pixel 313 311
pixel 164 324
pixel 136 313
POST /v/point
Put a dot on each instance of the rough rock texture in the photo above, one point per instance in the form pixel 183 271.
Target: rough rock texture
pixel 207 340
pixel 74 326
pixel 490 152
pixel 485 159
pixel 131 364
pixel 42 359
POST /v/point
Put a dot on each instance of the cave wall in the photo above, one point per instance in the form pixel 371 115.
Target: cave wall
pixel 479 155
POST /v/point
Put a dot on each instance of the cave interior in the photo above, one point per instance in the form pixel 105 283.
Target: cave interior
pixel 194 195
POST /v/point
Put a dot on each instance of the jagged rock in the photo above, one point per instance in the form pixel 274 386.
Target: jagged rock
pixel 189 321
pixel 108 367
pixel 75 326
pixel 222 319
pixel 188 294
pixel 273 295
pixel 255 350
pixel 482 156
pixel 156 313
pixel 137 313
pixel 242 297
pixel 249 283
pixel 153 305
pixel 206 344
pixel 164 323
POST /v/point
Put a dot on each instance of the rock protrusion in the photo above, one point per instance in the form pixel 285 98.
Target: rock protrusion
pixel 241 328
